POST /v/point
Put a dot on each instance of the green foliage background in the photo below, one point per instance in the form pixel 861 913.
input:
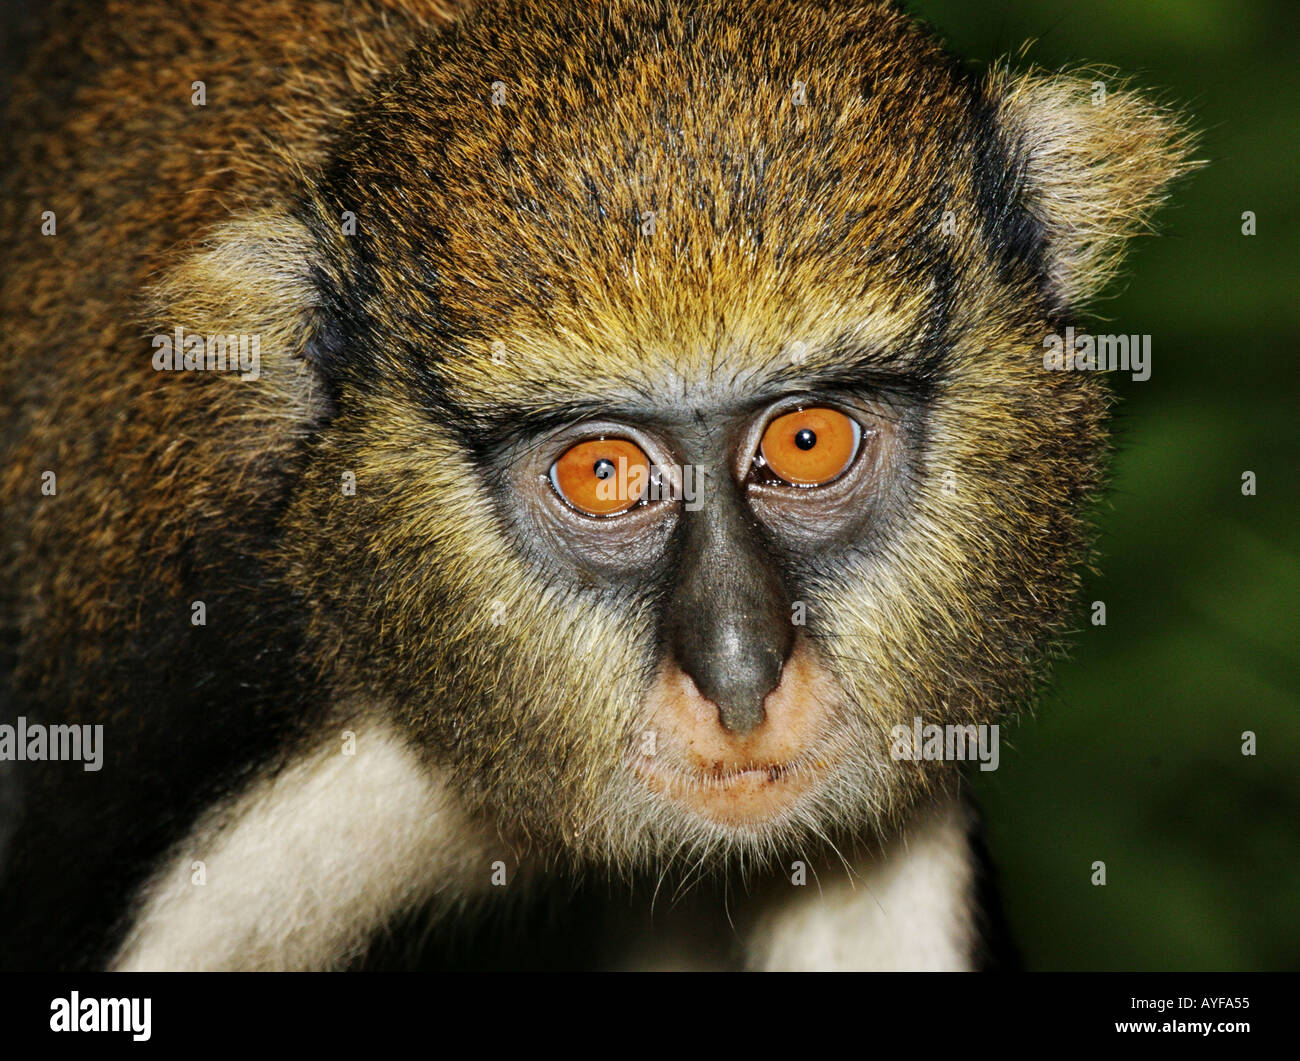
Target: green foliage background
pixel 1134 754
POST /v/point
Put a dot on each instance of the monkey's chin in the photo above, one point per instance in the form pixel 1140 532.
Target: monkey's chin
pixel 752 795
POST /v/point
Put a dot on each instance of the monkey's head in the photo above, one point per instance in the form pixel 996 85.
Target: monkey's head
pixel 687 359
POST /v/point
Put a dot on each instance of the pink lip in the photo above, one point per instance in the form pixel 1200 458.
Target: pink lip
pixel 748 795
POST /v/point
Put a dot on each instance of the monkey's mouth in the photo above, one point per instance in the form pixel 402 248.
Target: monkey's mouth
pixel 731 794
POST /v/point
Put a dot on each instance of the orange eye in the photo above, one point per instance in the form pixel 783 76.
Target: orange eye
pixel 810 447
pixel 602 477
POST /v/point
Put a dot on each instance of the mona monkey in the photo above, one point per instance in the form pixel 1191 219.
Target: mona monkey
pixel 640 414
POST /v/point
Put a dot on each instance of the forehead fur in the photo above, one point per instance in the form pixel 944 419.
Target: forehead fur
pixel 797 160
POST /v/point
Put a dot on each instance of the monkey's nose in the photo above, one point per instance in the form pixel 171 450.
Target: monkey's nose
pixel 736 675
pixel 729 624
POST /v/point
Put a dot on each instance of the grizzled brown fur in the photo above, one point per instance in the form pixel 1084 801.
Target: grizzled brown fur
pixel 502 280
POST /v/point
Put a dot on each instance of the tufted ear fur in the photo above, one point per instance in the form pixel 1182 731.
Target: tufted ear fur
pixel 253 276
pixel 1095 158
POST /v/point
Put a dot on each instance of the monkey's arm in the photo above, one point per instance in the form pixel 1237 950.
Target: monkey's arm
pixel 305 866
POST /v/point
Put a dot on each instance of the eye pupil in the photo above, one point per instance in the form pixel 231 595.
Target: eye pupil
pixel 805 439
pixel 603 468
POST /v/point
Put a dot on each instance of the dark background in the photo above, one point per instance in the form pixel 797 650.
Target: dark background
pixel 1133 757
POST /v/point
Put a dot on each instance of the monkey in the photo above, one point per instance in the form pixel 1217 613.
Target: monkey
pixel 468 462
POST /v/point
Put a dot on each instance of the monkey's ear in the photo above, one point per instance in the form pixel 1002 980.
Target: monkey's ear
pixel 1094 158
pixel 254 276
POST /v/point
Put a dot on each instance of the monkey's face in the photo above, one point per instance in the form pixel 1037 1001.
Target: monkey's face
pixel 700 437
